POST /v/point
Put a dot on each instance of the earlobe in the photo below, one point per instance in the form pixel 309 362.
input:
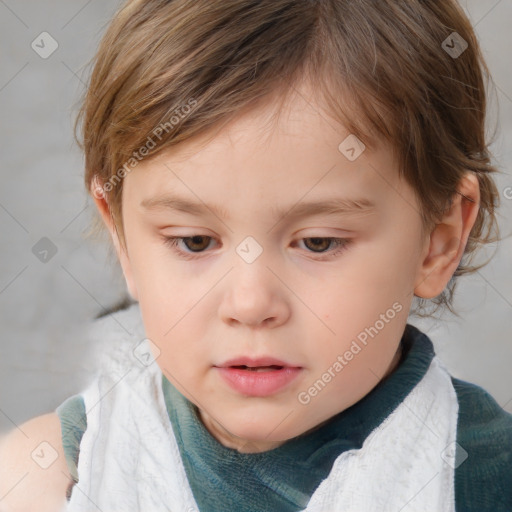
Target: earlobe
pixel 103 208
pixel 448 240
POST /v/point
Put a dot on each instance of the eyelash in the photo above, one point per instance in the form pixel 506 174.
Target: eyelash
pixel 172 242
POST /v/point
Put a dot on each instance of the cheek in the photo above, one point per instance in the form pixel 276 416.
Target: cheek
pixel 386 271
pixel 182 353
pixel 361 355
pixel 365 285
pixel 366 304
pixel 171 320
pixel 158 281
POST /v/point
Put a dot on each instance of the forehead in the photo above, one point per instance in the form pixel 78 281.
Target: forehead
pixel 275 153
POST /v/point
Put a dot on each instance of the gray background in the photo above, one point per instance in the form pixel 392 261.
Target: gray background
pixel 45 308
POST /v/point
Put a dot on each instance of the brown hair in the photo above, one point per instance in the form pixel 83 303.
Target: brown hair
pixel 169 70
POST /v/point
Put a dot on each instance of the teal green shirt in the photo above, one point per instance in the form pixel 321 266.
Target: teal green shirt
pixel 284 479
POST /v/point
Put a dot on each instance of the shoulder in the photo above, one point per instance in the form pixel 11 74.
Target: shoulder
pixel 484 436
pixel 33 470
pixel 483 423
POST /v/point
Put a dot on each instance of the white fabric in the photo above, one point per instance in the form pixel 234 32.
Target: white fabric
pixel 129 458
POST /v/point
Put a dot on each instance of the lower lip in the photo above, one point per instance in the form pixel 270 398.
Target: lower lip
pixel 258 383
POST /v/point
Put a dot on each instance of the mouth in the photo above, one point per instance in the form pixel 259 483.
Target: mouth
pixel 265 363
pixel 258 377
pixel 257 368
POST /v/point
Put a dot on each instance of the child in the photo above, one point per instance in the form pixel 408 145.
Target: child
pixel 332 156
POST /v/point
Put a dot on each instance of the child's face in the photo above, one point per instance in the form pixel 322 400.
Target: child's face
pixel 303 300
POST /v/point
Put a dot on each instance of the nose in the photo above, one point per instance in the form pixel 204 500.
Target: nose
pixel 255 297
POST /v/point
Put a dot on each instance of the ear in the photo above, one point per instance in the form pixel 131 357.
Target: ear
pixel 448 239
pixel 99 197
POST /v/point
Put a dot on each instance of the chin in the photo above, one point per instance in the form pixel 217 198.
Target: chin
pixel 261 432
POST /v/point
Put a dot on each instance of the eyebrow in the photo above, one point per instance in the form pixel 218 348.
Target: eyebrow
pixel 330 206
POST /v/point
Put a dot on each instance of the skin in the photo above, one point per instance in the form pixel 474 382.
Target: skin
pixel 29 483
pixel 298 301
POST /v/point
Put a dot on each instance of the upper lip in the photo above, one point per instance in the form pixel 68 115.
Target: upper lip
pixel 254 362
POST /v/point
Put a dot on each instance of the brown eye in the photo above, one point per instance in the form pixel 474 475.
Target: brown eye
pixel 325 247
pixel 318 243
pixel 196 243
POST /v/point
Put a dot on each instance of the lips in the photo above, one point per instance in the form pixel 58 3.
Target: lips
pixel 258 368
pixel 258 377
pixel 260 363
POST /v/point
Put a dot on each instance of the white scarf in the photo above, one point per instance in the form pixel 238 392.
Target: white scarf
pixel 130 461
